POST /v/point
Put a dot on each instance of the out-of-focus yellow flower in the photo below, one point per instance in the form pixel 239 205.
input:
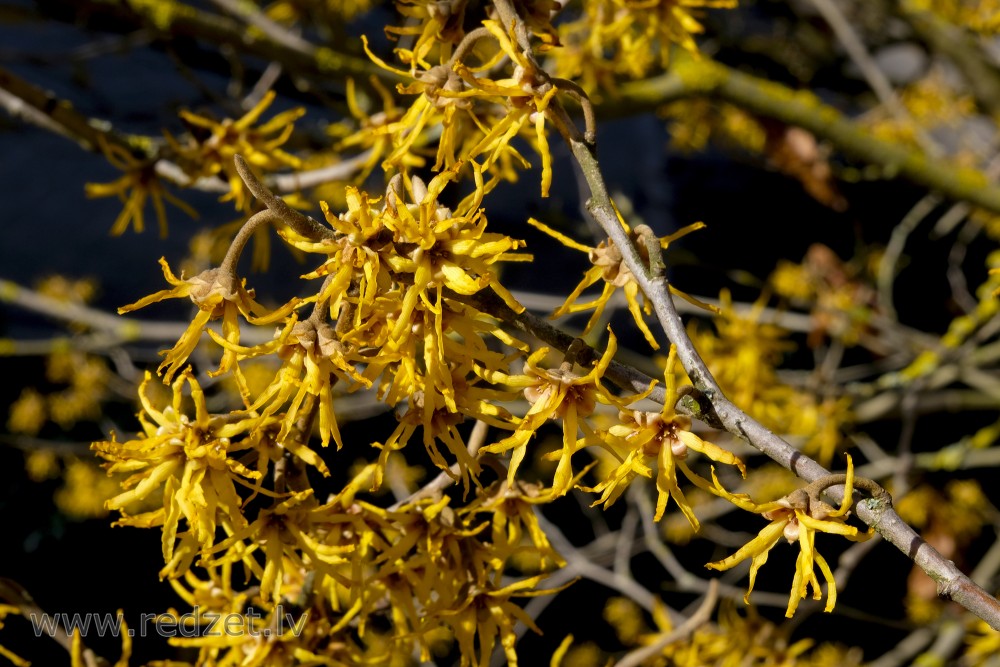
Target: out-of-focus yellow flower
pixel 694 123
pixel 139 183
pixel 932 102
pixel 631 38
pixel 333 11
pixel 587 654
pixel 374 132
pixel 982 644
pixel 214 144
pixel 86 489
pixel 41 464
pixel 28 413
pixel 792 281
pixel 748 640
pixel 675 527
pixel 626 617
pixel 743 355
pixel 65 289
pixel 961 511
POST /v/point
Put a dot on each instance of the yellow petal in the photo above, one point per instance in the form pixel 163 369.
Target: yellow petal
pixel 761 544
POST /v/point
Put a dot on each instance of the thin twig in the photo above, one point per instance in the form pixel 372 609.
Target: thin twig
pixel 446 478
pixel 275 31
pixel 897 241
pixel 697 619
pixel 300 222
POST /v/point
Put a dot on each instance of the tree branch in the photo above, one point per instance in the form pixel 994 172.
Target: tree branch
pixel 707 78
pixel 951 582
pixel 982 76
pixel 176 19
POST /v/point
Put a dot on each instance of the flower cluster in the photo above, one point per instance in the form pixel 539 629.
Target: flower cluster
pixel 472 115
pixel 404 304
pixel 612 39
pixel 341 564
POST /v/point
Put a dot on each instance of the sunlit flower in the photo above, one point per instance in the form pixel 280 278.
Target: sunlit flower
pixel 462 100
pixel 313 361
pixel 554 393
pixel 189 458
pixel 217 295
pixel 664 437
pixel 797 517
pixel 608 265
pixel 612 38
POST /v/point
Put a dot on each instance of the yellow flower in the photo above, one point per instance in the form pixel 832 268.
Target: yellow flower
pixel 626 617
pixel 139 183
pixel 434 25
pixel 982 644
pixel 41 464
pixel 609 266
pixel 6 610
pixel 515 528
pixel 28 413
pixel 554 393
pixel 527 95
pixel 313 361
pixel 259 145
pixel 487 612
pixel 279 533
pixel 627 37
pixel 374 131
pixel 797 517
pixel 439 103
pixel 217 295
pixel 190 459
pixel 664 437
pixel 85 491
pixel 464 105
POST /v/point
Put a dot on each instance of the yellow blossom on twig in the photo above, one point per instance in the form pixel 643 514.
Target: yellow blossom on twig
pixel 664 437
pixel 797 517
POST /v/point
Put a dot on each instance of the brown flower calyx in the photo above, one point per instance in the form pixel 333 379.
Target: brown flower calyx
pixel 609 257
pixel 443 78
pixel 317 338
pixel 213 286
